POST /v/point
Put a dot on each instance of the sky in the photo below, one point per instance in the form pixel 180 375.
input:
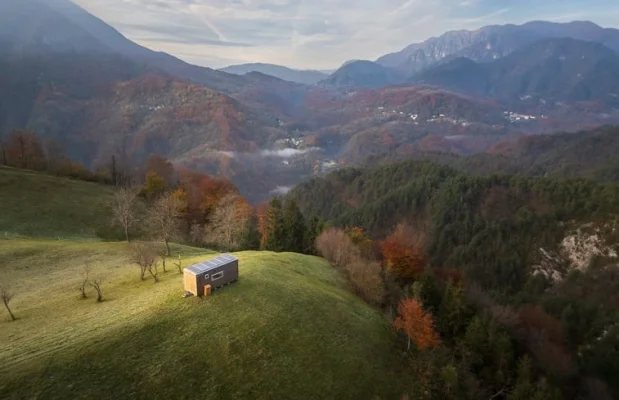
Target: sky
pixel 318 34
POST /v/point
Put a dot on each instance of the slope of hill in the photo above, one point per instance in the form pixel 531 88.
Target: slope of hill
pixel 39 205
pixel 552 69
pixel 492 42
pixel 362 74
pixel 287 329
pixel 308 77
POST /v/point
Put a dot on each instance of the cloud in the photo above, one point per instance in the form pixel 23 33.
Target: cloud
pixel 287 153
pixel 281 190
pixel 319 34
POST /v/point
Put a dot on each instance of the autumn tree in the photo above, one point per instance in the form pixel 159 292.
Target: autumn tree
pixel 334 245
pixel 154 185
pixel 227 222
pixel 417 324
pixel 163 168
pixel 294 228
pixel 6 294
pixel 24 150
pixel 403 252
pixel 144 255
pixel 365 276
pixel 124 212
pixel 163 218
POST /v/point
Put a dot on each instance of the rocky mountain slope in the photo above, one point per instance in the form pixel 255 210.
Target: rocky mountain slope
pixel 492 42
pixel 550 70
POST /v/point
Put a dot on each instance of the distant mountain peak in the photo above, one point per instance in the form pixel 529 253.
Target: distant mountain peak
pixel 492 42
pixel 308 77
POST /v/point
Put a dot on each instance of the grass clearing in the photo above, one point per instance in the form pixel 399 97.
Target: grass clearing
pixel 288 329
pixel 35 204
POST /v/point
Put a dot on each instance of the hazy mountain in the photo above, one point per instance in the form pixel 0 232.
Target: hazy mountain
pixel 308 77
pixel 551 69
pixel 493 42
pixel 365 74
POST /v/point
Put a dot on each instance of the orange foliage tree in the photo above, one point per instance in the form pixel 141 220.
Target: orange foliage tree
pixel 417 324
pixel 403 252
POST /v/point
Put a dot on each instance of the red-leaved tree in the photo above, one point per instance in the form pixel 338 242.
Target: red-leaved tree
pixel 404 253
pixel 417 324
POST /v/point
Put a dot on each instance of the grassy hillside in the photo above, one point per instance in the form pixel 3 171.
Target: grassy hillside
pixel 287 329
pixel 39 205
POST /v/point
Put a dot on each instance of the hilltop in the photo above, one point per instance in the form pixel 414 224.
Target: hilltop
pixel 288 329
pixel 35 204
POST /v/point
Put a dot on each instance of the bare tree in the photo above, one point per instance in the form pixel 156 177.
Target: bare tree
pixel 366 279
pixel 85 280
pixel 96 283
pixel 178 265
pixel 334 245
pixel 163 218
pixel 6 294
pixel 144 255
pixel 228 221
pixel 123 208
pixel 163 255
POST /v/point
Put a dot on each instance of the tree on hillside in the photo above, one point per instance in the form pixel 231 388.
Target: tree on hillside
pixel 96 284
pixel 314 228
pixel 124 208
pixel 366 279
pixel 337 247
pixel 404 253
pixel 274 227
pixel 24 150
pixel 250 238
pixel 294 228
pixel 154 185
pixel 417 324
pixel 85 280
pixel 56 156
pixel 144 255
pixel 163 218
pixel 163 168
pixel 227 222
pixel 6 294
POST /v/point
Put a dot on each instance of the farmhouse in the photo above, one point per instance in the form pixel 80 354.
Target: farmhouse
pixel 213 273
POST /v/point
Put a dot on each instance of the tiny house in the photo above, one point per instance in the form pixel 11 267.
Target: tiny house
pixel 216 272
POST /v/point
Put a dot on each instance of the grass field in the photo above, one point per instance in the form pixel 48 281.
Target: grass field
pixel 288 329
pixel 39 205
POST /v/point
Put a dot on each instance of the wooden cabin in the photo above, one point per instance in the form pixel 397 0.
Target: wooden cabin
pixel 215 272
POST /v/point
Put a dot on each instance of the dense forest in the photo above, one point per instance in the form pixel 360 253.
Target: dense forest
pixel 590 154
pixel 534 250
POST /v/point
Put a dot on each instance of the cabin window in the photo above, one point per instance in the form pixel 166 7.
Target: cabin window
pixel 205 276
pixel 217 276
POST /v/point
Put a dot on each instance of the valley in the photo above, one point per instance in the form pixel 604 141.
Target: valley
pixel 438 222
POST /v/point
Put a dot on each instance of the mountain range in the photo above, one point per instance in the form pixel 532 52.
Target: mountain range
pixel 492 42
pixel 71 77
pixel 308 77
pixel 558 69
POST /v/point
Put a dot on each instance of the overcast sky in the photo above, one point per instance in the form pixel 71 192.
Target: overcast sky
pixel 320 34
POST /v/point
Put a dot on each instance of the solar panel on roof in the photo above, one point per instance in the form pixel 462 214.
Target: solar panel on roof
pixel 208 265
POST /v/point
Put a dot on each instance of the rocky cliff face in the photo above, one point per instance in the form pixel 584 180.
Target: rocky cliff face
pixel 578 249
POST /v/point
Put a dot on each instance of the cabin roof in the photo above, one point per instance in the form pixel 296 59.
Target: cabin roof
pixel 208 265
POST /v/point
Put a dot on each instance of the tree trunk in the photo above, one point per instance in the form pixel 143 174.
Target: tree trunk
pixel 408 346
pixel 167 246
pixel 6 304
pixel 127 232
